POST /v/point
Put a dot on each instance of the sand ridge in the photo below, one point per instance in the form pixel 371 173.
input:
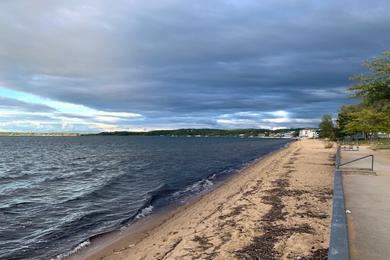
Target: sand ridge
pixel 277 208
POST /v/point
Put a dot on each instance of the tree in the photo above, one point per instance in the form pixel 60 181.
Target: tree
pixel 374 86
pixel 327 129
pixel 344 117
pixel 372 114
pixel 368 122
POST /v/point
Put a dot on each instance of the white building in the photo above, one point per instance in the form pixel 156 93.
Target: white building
pixel 308 133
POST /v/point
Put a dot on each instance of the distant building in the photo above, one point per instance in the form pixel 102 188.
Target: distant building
pixel 308 133
pixel 290 134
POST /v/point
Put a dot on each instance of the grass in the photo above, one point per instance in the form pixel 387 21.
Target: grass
pixel 374 144
pixel 380 146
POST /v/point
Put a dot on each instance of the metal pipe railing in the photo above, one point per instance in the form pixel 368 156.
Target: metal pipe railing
pixel 361 158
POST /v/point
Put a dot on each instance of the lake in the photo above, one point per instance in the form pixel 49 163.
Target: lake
pixel 56 192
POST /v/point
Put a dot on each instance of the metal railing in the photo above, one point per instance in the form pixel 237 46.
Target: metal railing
pixel 358 159
pixel 350 148
pixel 338 246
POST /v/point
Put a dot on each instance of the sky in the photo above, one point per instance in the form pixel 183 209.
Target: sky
pixel 91 66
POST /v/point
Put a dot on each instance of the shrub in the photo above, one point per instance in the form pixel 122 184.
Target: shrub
pixel 328 145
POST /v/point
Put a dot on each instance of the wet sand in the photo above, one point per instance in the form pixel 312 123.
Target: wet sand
pixel 277 208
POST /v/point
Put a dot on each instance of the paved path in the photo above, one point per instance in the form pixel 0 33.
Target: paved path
pixel 368 199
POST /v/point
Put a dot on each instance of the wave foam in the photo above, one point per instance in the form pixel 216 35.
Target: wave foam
pixel 144 212
pixel 73 251
pixel 197 187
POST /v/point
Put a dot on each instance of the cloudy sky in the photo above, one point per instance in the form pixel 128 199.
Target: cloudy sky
pixel 88 66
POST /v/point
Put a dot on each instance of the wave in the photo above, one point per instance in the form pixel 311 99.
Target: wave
pixel 18 205
pixel 109 188
pixel 164 194
pixel 195 188
pixel 73 251
pixel 168 195
pixel 72 226
pixel 15 176
pixel 145 212
pixel 161 195
pixel 161 192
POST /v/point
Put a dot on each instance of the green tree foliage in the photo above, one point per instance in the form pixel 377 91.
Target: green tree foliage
pixel 374 86
pixel 344 117
pixel 367 121
pixel 327 129
pixel 372 114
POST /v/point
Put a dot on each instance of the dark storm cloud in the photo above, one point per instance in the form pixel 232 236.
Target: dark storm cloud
pixel 189 62
pixel 13 104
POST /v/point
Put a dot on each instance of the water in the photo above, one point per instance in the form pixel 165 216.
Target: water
pixel 56 192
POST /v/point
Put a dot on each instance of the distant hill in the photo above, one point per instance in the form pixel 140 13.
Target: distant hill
pixel 209 132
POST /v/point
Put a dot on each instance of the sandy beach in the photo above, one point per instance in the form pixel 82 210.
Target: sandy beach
pixel 279 207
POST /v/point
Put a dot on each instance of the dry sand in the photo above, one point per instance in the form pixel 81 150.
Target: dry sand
pixel 277 208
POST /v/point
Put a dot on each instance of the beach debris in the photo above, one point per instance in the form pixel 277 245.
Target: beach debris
pixel 348 211
pixel 172 247
pixel 319 254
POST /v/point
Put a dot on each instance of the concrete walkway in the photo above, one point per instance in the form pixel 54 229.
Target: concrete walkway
pixel 368 199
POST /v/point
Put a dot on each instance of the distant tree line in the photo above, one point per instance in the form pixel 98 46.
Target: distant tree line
pixel 37 134
pixel 205 132
pixel 372 114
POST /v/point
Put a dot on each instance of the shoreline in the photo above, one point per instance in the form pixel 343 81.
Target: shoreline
pixel 195 225
pixel 136 229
